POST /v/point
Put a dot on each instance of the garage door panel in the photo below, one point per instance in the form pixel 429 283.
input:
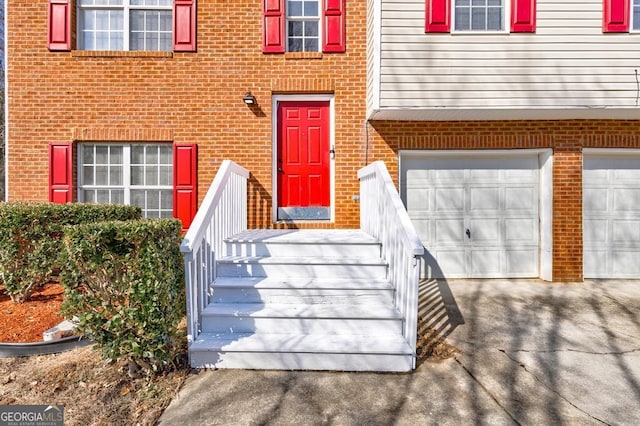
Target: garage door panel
pixel 453 262
pixel 625 263
pixel 521 262
pixel 484 231
pixel 484 175
pixel 596 200
pixel 486 263
pixel 445 176
pixel 423 228
pixel 595 263
pixel 631 173
pixel 525 175
pixel 449 199
pixel 449 231
pixel 595 231
pixel 484 198
pixel 626 199
pixel 519 199
pixel 626 232
pixel 520 230
pixel 419 199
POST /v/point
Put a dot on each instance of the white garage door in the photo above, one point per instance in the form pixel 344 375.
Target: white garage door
pixel 476 215
pixel 611 215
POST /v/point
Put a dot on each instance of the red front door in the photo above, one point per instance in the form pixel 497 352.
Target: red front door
pixel 303 160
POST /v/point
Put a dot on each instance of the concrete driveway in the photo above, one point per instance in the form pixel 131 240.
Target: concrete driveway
pixel 530 353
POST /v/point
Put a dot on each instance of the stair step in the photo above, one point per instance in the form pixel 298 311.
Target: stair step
pixel 300 290
pixel 301 318
pixel 301 352
pixel 309 267
pixel 312 242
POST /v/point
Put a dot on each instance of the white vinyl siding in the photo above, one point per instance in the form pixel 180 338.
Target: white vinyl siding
pixel 568 64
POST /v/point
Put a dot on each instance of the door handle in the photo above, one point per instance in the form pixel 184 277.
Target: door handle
pixel 468 232
pixel 280 170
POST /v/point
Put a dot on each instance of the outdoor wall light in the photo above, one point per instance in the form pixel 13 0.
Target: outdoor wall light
pixel 249 99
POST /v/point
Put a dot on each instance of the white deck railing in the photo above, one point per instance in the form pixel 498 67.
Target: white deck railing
pixel 223 213
pixel 383 216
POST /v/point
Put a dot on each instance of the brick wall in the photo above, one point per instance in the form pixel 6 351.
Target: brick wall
pixel 566 138
pixel 196 97
pixel 180 97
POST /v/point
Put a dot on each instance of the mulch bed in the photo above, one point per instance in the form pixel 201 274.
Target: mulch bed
pixel 24 323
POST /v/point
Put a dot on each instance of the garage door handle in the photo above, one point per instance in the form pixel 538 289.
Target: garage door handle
pixel 468 232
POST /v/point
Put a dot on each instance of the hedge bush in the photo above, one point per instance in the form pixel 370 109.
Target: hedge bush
pixel 124 281
pixel 30 239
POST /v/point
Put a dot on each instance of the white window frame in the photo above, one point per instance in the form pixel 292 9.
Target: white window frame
pixel 302 19
pixel 506 21
pixel 126 172
pixel 632 28
pixel 126 7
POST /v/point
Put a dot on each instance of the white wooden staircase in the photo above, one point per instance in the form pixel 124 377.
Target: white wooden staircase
pixel 302 299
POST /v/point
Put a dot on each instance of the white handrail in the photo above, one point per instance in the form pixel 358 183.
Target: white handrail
pixel 223 213
pixel 383 216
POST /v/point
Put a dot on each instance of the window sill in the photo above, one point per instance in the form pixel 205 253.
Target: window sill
pixel 302 55
pixel 119 54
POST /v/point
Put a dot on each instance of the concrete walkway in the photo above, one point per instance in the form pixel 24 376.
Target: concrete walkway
pixel 530 353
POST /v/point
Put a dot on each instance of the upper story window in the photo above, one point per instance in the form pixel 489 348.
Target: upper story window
pixel 129 25
pixel 479 15
pixel 490 16
pixel 125 24
pixel 635 12
pixel 303 26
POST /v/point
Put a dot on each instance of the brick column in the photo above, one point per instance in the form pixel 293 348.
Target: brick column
pixel 567 212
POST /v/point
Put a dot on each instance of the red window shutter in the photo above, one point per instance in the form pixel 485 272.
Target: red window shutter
pixel 60 172
pixel 185 182
pixel 273 26
pixel 615 16
pixel 59 25
pixel 184 25
pixel 523 16
pixel 437 16
pixel 334 26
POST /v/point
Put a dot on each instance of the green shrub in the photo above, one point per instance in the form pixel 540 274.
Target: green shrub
pixel 124 281
pixel 30 239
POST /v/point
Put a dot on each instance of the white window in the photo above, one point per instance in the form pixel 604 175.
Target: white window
pixel 303 25
pixel 124 24
pixel 635 13
pixel 136 174
pixel 479 15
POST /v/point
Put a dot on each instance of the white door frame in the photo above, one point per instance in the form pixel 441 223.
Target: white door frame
pixel 545 193
pixel 275 100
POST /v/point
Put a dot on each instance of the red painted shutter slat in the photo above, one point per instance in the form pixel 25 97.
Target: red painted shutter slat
pixel 184 25
pixel 334 26
pixel 60 172
pixel 185 182
pixel 523 16
pixel 59 25
pixel 437 16
pixel 273 26
pixel 615 16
